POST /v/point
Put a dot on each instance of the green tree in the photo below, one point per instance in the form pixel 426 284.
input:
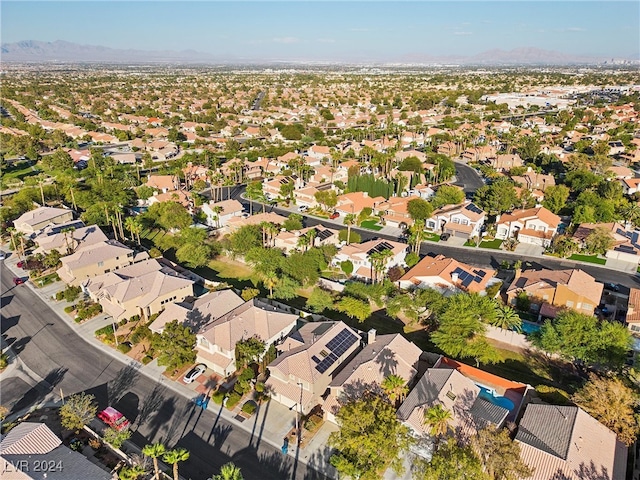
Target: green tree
pixel 411 259
pixel 437 418
pixel 583 338
pixel 507 318
pixel 451 462
pixel 78 410
pixel 395 388
pixel 175 345
pixel 228 472
pixel 354 308
pixel 419 209
pixel 194 255
pixel 462 327
pixel 598 241
pixel 293 222
pixel 349 221
pixel 370 438
pixel 347 267
pixel 133 472
pixel 319 300
pixel 254 192
pixel 116 438
pixel 154 451
pixel 286 288
pixel 447 195
pixel 529 148
pixel 497 198
pixel 411 164
pixel 173 457
pixel 286 190
pixel 555 197
pixel 249 350
pixel 245 238
pixel 500 455
pixel 612 403
pixel 248 293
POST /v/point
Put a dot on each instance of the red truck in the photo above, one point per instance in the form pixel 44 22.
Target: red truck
pixel 114 418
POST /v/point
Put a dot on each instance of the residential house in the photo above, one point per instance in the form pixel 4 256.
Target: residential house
pixel 355 202
pixel 271 187
pixel 178 196
pixel 97 259
pixel 317 153
pixel 464 220
pixel 69 241
pixel 450 149
pixel 534 181
pixel 447 275
pixel 616 148
pixel 163 183
pixel 216 341
pixel 235 223
pixel 308 360
pixel 505 162
pixel 565 442
pixel 289 241
pixel 626 243
pixel 33 451
pixel 394 212
pixel 306 196
pixel 479 154
pixel 33 221
pixel 199 312
pixel 143 289
pixel 359 254
pixel 620 172
pixel 633 311
pixel 550 290
pixel 383 355
pixel 470 409
pixel 630 185
pixel 536 226
pixel 422 191
pixel 219 213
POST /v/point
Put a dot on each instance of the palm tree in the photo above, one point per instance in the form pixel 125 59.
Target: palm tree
pixel 154 451
pixel 378 262
pixel 303 242
pixel 228 472
pixel 507 318
pixel 395 388
pixel 132 225
pixel 349 220
pixel 437 417
pixel 66 231
pixel 174 456
pixel 312 234
pixel 131 473
pixel 270 280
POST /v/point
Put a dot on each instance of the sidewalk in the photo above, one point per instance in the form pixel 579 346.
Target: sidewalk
pixel 270 424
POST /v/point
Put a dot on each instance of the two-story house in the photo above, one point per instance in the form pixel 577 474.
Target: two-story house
pixel 142 289
pixel 319 235
pixel 359 254
pixel 534 181
pixel 34 221
pixel 536 226
pixel 448 276
pixel 216 341
pixel 97 259
pixel 355 202
pixel 549 290
pixel 464 220
pixel 68 241
pixel 163 183
pixel 383 355
pixel 395 213
pixel 219 213
pixel 308 360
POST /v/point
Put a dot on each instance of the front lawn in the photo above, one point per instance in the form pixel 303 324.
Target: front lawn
pixel 588 258
pixel 432 237
pixel 371 225
pixel 495 244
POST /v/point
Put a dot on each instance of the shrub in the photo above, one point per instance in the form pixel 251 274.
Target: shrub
pixel 247 374
pixel 124 347
pixel 60 295
pixel 218 397
pixel 312 423
pixel 523 302
pixel 260 387
pixel 232 400
pixel 116 438
pixel 493 290
pixel 347 267
pixel 123 322
pixel 155 253
pixel 107 330
pixel 95 443
pixel 249 407
pixel 69 309
pixel 4 361
pixel 146 359
pixel 71 293
pixel 411 259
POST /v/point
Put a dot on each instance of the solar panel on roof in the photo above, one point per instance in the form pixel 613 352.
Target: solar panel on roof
pixel 323 234
pixel 338 345
pixel 458 270
pixel 481 273
pixel 473 208
pixel 477 279
pixel 315 359
pixel 467 281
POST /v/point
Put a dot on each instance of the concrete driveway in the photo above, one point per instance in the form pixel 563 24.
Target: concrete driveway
pixel 529 250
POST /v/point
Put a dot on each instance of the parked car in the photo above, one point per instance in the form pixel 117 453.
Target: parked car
pixel 2 255
pixel 18 280
pixel 334 215
pixel 194 373
pixel 614 287
pixel 445 236
pixel 114 418
pixel 303 208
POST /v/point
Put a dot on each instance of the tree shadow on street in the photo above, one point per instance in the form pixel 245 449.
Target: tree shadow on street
pixel 38 392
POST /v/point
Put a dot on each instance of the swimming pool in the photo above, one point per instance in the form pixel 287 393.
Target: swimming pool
pixel 528 327
pixel 489 394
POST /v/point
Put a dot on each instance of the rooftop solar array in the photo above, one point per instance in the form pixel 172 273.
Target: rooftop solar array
pixel 338 345
pixel 467 278
pixel 323 234
pixel 380 247
pixel 473 208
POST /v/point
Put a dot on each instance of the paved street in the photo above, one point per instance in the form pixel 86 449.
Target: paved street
pixel 50 350
pixel 468 178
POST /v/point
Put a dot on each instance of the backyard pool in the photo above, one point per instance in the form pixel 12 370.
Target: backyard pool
pixel 528 327
pixel 489 394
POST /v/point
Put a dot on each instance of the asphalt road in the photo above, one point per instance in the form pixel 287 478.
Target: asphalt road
pixel 53 351
pixel 467 178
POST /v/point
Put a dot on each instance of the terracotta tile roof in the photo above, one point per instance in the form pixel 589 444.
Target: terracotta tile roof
pixel 542 213
pixel 444 268
pixel 578 281
pixel 633 312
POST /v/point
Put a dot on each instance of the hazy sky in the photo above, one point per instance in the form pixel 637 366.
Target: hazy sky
pixel 331 30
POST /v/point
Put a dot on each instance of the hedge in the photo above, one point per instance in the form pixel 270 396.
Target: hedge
pixel 218 397
pixel 146 359
pixel 249 408
pixel 232 400
pixel 124 348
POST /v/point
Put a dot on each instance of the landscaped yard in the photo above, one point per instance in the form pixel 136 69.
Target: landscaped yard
pixel 495 244
pixel 431 236
pixel 588 258
pixel 18 172
pixel 371 225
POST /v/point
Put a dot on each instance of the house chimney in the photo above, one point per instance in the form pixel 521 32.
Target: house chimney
pixel 371 336
pixel 454 277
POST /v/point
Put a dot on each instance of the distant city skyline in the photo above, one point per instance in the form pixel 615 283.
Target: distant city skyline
pixel 332 30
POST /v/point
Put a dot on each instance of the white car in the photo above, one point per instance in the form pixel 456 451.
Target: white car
pixel 2 255
pixel 194 373
pixel 303 208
